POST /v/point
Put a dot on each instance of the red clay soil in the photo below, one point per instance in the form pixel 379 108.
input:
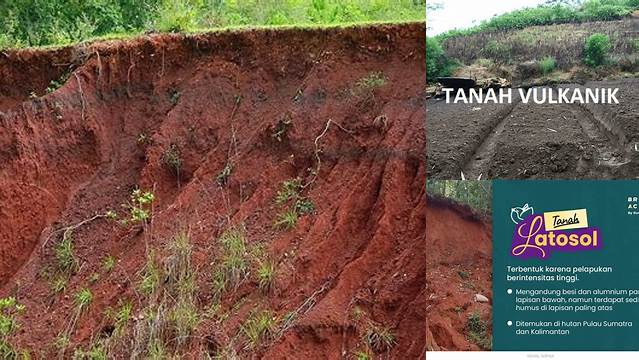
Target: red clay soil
pixel 458 259
pixel 356 262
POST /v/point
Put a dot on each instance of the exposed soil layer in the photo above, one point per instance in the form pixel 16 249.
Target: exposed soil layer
pixel 536 141
pixel 256 104
pixel 458 259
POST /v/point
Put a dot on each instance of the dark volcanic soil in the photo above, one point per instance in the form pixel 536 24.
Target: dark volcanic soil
pixel 536 141
pixel 257 103
pixel 459 267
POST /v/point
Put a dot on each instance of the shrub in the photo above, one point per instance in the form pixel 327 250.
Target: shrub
pixel 596 49
pixel 478 331
pixel 437 63
pixel 176 16
pixel 547 65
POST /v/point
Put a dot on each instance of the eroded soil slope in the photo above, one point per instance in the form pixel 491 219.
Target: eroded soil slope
pixel 536 141
pixel 213 125
pixel 458 259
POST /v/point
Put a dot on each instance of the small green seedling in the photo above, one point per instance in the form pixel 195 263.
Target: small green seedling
pixel 286 220
pixel 139 207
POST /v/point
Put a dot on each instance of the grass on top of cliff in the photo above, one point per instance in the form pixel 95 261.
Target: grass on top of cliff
pixel 29 23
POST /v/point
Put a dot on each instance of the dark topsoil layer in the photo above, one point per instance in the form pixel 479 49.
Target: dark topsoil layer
pixel 536 141
pixel 353 265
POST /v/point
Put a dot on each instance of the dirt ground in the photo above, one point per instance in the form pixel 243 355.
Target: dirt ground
pixel 458 259
pixel 536 141
pixel 242 112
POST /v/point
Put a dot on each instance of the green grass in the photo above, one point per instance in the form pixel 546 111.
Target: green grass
pixel 370 82
pixel 121 315
pixel 58 284
pixel 286 220
pixel 65 255
pixel 233 263
pixel 108 263
pixel 184 317
pixel 265 274
pixel 83 298
pixel 95 352
pixel 150 275
pixel 362 355
pixel 547 65
pixel 58 22
pixel 259 326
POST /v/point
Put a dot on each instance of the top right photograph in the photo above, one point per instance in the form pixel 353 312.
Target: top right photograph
pixel 543 89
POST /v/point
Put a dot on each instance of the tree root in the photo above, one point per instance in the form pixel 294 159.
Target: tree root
pixel 318 149
pixel 81 94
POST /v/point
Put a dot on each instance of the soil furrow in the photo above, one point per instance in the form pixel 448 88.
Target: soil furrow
pixel 478 164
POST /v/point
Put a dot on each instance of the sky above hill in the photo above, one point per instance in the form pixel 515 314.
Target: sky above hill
pixel 461 14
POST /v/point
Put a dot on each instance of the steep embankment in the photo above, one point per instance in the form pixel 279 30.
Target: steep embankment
pixel 213 125
pixel 458 259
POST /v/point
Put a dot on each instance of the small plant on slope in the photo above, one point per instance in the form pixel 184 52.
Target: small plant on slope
pixel 282 127
pixel 265 274
pixel 120 316
pixel 379 338
pixel 172 159
pixel 287 220
pixel 9 309
pixel 290 190
pixel 139 207
pixel 83 299
pixel 233 264
pixel 259 326
pixel 365 86
pixel 67 263
pixel 108 263
pixel 477 331
pixel 151 274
